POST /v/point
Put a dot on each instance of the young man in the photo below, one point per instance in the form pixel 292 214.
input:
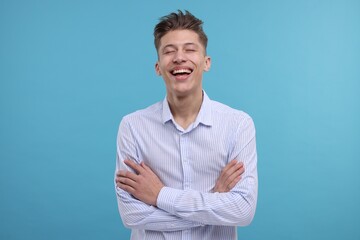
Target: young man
pixel 186 166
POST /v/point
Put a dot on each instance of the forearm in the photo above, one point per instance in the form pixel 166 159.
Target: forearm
pixel 234 208
pixel 136 214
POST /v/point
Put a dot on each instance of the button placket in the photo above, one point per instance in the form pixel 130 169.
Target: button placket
pixel 184 149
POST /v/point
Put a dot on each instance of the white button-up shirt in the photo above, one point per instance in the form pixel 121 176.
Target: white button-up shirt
pixel 189 161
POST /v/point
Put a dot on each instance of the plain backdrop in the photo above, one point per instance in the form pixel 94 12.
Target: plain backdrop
pixel 70 70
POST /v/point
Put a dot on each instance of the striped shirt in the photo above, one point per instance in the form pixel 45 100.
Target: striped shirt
pixel 188 162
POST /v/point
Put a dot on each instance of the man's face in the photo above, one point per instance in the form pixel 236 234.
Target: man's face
pixel 181 62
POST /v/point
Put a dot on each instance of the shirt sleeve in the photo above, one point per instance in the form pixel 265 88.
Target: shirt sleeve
pixel 134 213
pixel 234 208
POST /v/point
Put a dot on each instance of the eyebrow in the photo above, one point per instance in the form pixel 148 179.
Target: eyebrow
pixel 185 44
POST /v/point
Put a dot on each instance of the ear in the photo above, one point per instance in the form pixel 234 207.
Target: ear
pixel 207 63
pixel 157 69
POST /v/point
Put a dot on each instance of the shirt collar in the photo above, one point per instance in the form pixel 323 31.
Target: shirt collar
pixel 203 117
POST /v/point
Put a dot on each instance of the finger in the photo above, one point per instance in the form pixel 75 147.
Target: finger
pixel 237 167
pixel 133 165
pixel 127 174
pixel 233 183
pixel 143 165
pixel 229 165
pixel 238 172
pixel 123 181
pixel 232 166
pixel 242 169
pixel 230 179
pixel 146 167
pixel 126 188
pixel 120 173
pixel 230 169
pixel 240 164
pixel 227 171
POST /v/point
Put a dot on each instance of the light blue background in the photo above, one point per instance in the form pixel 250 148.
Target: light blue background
pixel 69 71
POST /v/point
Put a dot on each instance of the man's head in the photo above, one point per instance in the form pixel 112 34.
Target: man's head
pixel 181 48
pixel 179 21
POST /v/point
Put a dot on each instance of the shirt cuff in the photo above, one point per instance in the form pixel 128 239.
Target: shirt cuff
pixel 166 199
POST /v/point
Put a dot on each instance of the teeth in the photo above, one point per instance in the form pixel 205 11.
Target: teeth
pixel 181 71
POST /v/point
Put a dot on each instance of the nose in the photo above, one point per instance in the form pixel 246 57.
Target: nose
pixel 179 57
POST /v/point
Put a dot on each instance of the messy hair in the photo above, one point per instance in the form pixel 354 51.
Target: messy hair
pixel 179 21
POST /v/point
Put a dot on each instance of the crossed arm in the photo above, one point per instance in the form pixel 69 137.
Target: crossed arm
pixel 138 192
pixel 145 203
pixel 145 186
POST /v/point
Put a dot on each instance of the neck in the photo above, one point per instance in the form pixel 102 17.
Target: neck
pixel 185 109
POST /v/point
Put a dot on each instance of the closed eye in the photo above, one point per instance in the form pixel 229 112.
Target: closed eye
pixel 167 52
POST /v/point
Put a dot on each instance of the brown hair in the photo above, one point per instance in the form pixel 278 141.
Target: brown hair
pixel 179 21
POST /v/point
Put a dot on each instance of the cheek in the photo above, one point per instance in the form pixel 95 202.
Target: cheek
pixel 199 61
pixel 201 66
pixel 161 68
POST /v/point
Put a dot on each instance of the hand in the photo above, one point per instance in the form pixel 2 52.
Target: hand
pixel 143 184
pixel 229 176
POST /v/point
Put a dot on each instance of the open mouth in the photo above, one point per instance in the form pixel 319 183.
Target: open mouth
pixel 183 72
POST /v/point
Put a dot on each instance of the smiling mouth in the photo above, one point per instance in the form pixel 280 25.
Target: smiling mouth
pixel 181 72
